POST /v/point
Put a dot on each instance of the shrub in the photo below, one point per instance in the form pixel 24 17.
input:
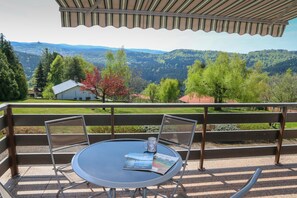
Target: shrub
pixel 225 127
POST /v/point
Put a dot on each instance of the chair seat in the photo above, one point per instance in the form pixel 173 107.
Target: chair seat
pixel 68 172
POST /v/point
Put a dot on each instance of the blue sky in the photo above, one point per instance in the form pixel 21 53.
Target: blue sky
pixel 39 20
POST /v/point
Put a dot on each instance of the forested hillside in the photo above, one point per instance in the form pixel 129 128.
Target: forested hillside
pixel 29 62
pixel 154 64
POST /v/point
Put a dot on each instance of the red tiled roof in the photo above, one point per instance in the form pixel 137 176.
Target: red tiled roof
pixel 140 96
pixel 193 98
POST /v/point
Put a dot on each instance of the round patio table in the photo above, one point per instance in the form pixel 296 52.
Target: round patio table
pixel 102 164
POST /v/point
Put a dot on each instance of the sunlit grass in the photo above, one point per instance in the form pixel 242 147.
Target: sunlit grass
pixel 94 110
pixel 136 110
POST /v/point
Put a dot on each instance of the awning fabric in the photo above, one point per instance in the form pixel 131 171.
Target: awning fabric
pixel 263 17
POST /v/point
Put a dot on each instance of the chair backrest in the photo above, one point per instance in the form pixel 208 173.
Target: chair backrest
pixel 250 183
pixel 66 132
pixel 177 132
pixel 4 193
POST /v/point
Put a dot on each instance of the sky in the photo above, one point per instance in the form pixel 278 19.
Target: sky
pixel 39 20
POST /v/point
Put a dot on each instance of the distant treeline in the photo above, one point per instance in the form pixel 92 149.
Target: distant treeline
pixel 156 65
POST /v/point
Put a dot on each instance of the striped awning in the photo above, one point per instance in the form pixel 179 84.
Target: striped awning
pixel 263 17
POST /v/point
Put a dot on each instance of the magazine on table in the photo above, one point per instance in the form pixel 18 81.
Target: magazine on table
pixel 139 161
pixel 162 163
pixel 159 163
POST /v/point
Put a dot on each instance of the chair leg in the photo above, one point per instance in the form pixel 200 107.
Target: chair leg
pixel 60 191
pixel 144 192
pixel 183 187
pixel 135 191
pixel 88 184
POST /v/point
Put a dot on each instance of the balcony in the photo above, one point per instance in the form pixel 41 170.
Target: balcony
pixel 221 161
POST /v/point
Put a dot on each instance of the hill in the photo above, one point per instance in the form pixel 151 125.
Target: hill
pixel 153 64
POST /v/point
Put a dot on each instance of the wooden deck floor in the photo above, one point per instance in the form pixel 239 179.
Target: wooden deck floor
pixel 220 179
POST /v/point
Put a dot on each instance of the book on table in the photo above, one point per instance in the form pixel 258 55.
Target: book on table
pixel 159 163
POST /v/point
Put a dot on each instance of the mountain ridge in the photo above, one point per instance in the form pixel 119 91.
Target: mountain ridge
pixel 154 64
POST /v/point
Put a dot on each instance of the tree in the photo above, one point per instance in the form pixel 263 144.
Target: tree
pixel 194 80
pixel 283 88
pixel 117 65
pixel 104 85
pixel 55 75
pixel 16 66
pixel 152 91
pixel 43 69
pixel 254 86
pixel 46 60
pixel 226 78
pixel 211 81
pixel 215 78
pixel 74 69
pixel 39 78
pixel 137 83
pixel 169 90
pixel 48 91
pixel 8 85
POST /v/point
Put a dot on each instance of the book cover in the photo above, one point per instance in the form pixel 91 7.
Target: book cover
pixel 162 163
pixel 139 161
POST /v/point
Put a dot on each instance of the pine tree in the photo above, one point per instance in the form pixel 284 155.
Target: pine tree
pixel 73 69
pixel 43 69
pixel 39 78
pixel 16 66
pixel 46 60
pixel 8 86
pixel 56 73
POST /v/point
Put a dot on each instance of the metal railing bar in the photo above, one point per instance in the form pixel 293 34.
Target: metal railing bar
pixel 3 107
pixel 3 144
pixel 4 165
pixel 2 122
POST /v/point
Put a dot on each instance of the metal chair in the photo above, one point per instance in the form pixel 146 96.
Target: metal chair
pixel 178 133
pixel 64 135
pixel 250 183
pixel 244 190
pixel 4 193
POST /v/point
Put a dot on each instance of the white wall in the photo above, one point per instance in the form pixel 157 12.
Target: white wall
pixel 75 94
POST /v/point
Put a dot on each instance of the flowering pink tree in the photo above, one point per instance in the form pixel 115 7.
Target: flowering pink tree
pixel 107 85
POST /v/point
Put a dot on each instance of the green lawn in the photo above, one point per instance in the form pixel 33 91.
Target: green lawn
pixel 127 110
pixel 92 110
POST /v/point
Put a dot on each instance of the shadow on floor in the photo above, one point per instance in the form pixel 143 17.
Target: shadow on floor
pixel 214 182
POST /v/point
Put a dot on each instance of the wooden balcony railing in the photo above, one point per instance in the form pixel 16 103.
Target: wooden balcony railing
pixel 8 122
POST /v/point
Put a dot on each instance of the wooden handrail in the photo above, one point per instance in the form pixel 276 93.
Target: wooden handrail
pixel 11 143
pixel 146 105
pixel 112 122
pixel 281 134
pixel 203 138
pixel 204 118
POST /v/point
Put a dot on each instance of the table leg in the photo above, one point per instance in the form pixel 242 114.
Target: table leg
pixel 144 192
pixel 112 193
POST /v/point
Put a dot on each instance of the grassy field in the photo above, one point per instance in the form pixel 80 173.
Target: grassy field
pixel 127 110
pixel 107 110
pixel 93 110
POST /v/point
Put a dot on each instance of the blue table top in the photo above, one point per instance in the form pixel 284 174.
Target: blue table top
pixel 102 164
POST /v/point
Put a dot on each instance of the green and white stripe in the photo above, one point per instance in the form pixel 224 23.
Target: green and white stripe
pixel 242 16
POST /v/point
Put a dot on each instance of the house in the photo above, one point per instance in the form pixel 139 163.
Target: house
pixel 71 90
